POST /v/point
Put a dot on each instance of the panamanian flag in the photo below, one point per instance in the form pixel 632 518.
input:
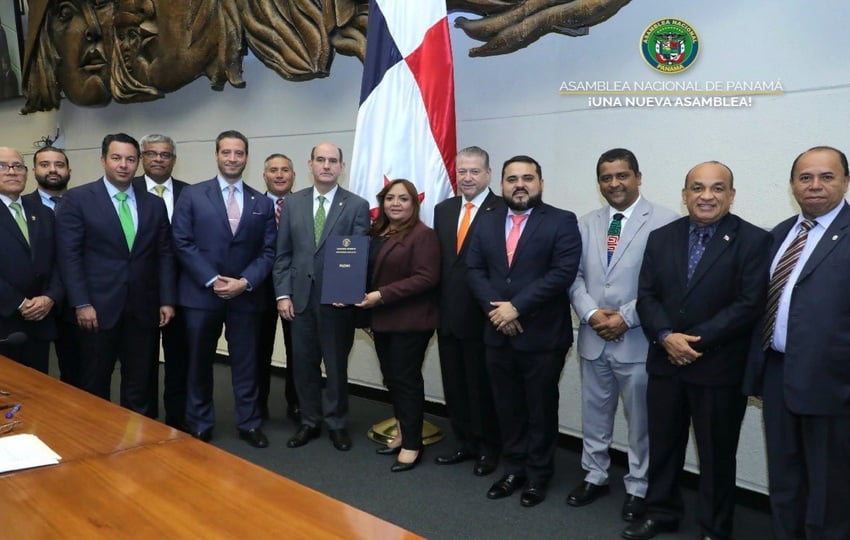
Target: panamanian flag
pixel 406 122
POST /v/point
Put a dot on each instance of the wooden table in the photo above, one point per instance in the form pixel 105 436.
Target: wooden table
pixel 125 476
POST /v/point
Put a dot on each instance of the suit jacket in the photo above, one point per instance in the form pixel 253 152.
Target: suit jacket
pixel 544 266
pixel 300 263
pixel 720 303
pixel 29 269
pixel 406 273
pixel 99 269
pixel 206 247
pixel 460 314
pixel 817 348
pixel 600 285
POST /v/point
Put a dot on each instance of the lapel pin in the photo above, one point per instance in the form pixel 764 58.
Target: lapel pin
pixel 33 218
pixel 726 237
pixel 340 203
pixel 835 237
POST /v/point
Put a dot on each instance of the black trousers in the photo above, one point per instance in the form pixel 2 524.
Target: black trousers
pixel 808 465
pixel 137 349
pixel 469 398
pixel 175 350
pixel 68 352
pixel 716 413
pixel 401 355
pixel 525 389
pixel 265 348
pixel 34 353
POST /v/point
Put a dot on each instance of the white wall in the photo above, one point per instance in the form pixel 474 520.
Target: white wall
pixel 511 105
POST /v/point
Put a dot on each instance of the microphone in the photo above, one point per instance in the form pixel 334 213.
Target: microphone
pixel 15 338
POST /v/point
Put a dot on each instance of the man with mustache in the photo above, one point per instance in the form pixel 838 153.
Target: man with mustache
pixel 522 260
pixel 52 171
pixel 610 340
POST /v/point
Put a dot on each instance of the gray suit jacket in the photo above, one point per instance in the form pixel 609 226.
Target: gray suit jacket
pixel 299 262
pixel 614 286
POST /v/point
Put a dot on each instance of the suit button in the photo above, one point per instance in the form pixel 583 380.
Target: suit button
pixel 681 312
pixel 508 280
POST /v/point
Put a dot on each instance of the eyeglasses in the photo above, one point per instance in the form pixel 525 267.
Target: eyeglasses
pixel 14 167
pixel 9 426
pixel 163 155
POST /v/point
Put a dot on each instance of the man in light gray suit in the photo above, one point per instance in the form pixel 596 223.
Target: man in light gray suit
pixel 319 332
pixel 611 343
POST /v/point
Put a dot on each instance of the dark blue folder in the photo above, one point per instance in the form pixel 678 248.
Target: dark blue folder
pixel 346 264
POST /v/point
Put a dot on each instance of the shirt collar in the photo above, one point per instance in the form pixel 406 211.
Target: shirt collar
pixel 329 196
pixel 477 201
pixel 112 190
pixel 627 213
pixel 222 184
pixel 822 221
pixel 150 184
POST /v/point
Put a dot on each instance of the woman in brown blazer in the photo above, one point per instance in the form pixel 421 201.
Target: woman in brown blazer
pixel 404 262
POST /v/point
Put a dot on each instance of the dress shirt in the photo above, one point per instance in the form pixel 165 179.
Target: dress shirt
pixel 46 200
pixel 167 195
pixel 476 201
pixel 131 201
pixel 780 331
pixel 329 197
pixel 225 192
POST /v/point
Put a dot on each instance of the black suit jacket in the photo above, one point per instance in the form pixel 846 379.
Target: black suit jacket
pixel 28 269
pixel 817 348
pixel 99 269
pixel 720 303
pixel 544 266
pixel 460 314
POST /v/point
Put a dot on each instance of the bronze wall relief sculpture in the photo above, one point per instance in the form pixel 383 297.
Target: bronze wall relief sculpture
pixel 130 51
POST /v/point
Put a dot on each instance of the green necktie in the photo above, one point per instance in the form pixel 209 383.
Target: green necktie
pixel 319 220
pixel 614 234
pixel 19 218
pixel 126 218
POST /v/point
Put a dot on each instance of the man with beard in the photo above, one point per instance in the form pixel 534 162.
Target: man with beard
pixel 29 283
pixel 52 171
pixel 521 262
pixel 224 235
pixel 159 154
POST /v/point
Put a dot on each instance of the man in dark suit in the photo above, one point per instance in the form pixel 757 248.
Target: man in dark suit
pixel 799 358
pixel 465 383
pixel 29 283
pixel 279 176
pixel 701 285
pixel 159 154
pixel 521 262
pixel 117 263
pixel 224 236
pixel 320 333
pixel 52 172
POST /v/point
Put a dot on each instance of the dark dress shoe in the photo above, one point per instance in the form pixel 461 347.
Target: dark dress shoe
pixel 178 424
pixel 303 436
pixel 453 459
pixel 388 450
pixel 340 439
pixel 400 466
pixel 293 412
pixel 533 495
pixel 505 486
pixel 255 437
pixel 485 465
pixel 586 493
pixel 648 528
pixel 634 508
pixel 203 436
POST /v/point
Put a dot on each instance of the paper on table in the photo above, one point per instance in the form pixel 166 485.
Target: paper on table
pixel 25 451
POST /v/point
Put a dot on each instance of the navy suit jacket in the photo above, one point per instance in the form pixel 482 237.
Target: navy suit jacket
pixel 28 270
pixel 544 266
pixel 720 303
pixel 460 314
pixel 206 247
pixel 98 268
pixel 817 349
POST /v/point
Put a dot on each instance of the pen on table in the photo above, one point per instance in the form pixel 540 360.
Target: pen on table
pixel 15 409
pixel 7 406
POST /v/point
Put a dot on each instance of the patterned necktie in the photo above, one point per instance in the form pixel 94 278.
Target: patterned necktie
pixel 614 234
pixel 699 237
pixel 278 206
pixel 233 213
pixel 780 276
pixel 513 236
pixel 20 220
pixel 319 219
pixel 126 219
pixel 464 225
pixel 159 190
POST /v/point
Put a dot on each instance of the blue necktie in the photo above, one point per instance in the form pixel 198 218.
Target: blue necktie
pixel 699 237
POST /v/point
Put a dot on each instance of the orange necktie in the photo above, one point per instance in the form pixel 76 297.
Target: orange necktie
pixel 464 225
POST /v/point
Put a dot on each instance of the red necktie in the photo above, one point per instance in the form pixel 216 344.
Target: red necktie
pixel 513 236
